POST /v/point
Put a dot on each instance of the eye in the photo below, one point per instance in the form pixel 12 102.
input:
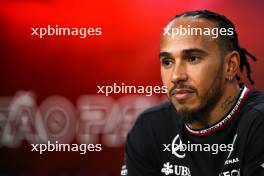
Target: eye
pixel 166 62
pixel 194 59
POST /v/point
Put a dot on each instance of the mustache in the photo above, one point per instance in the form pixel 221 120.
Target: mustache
pixel 181 85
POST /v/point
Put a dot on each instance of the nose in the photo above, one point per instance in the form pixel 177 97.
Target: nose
pixel 179 73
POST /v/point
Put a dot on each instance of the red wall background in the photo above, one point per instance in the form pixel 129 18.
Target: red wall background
pixel 126 52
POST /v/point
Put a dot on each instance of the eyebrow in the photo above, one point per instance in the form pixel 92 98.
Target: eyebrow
pixel 185 52
pixel 197 50
pixel 165 54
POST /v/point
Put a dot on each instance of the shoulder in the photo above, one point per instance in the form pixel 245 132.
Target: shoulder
pixel 255 104
pixel 253 127
pixel 253 117
pixel 161 109
pixel 158 118
pixel 163 112
pixel 158 125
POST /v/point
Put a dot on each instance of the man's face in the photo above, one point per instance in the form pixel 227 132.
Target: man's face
pixel 192 69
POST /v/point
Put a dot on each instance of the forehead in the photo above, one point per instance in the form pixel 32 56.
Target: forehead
pixel 178 42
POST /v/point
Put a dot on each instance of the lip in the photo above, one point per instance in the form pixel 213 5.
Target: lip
pixel 182 94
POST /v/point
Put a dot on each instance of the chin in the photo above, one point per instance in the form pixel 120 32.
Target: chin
pixel 185 106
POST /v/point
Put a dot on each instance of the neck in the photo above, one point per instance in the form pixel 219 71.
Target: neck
pixel 226 102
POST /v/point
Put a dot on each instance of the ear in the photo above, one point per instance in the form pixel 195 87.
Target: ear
pixel 232 62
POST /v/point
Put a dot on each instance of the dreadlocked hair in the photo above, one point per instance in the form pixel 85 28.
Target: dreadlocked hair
pixel 231 41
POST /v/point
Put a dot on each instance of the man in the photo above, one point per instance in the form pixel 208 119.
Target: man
pixel 212 125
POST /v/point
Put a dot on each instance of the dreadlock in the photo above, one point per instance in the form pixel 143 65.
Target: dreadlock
pixel 231 41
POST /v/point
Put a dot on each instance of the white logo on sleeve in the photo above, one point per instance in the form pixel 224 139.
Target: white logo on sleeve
pixel 262 165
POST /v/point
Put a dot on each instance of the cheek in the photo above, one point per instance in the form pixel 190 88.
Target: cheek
pixel 203 77
pixel 166 78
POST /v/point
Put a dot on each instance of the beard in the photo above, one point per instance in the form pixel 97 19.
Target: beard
pixel 208 102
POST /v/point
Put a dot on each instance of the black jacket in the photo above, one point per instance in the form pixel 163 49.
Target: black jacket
pixel 161 144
